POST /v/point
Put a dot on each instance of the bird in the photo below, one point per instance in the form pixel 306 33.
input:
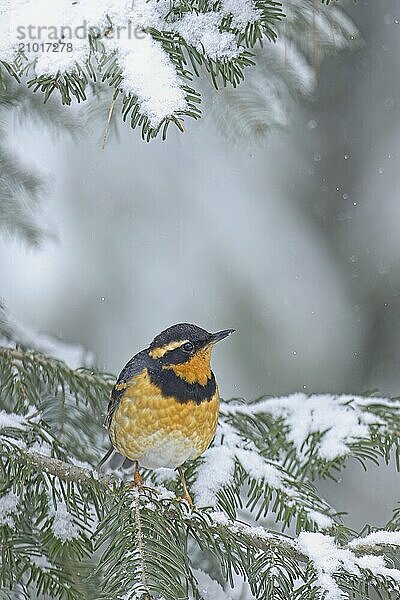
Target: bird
pixel 164 406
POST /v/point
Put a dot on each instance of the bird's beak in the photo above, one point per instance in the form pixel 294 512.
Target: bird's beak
pixel 220 335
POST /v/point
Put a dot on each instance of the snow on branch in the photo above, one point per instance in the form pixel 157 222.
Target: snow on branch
pixel 233 461
pixel 300 548
pixel 325 427
pixel 54 466
pixel 8 506
pixel 144 47
pixel 330 561
pixel 12 421
pixel 50 436
pixel 376 539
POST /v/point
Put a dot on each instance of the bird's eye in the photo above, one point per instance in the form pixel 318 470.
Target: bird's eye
pixel 188 347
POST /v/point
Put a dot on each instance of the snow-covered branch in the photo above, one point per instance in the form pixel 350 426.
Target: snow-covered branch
pixel 331 561
pixel 257 536
pixel 320 430
pixel 50 434
pixel 144 48
pixel 150 51
pixel 58 468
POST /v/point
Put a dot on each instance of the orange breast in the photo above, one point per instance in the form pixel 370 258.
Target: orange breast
pixel 159 431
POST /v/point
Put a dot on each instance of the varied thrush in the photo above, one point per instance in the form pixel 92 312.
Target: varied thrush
pixel 164 406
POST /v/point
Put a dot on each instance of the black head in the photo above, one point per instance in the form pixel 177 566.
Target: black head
pixel 180 342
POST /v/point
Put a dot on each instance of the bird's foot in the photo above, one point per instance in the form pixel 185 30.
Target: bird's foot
pixel 187 498
pixel 135 485
pixel 137 482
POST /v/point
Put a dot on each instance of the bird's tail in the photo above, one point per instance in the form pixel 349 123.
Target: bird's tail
pixel 115 461
pixel 105 458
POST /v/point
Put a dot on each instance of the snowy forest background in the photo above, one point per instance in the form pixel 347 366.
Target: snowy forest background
pixel 293 242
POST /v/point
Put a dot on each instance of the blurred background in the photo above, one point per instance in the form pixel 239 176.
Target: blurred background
pixel 277 214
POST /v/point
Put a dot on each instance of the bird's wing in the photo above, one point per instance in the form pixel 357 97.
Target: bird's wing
pixel 135 366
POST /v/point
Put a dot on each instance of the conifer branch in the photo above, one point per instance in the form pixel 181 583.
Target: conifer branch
pixel 38 359
pixel 61 469
pixel 140 548
pixel 249 536
pixel 50 435
pixel 264 541
pixel 177 43
pixel 87 477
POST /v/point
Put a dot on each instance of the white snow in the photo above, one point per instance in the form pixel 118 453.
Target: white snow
pixel 8 506
pixel 242 12
pixel 391 538
pixel 217 470
pixel 147 71
pixel 132 595
pixel 63 527
pixel 11 421
pixel 41 447
pixel 41 561
pixel 321 520
pixel 341 420
pixel 202 31
pixel 163 493
pixel 14 442
pixel 149 75
pixel 376 564
pixel 329 560
pixel 217 466
pixel 220 518
pixel 258 467
pixel 208 587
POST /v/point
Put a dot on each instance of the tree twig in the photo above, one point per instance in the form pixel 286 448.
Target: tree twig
pixel 266 543
pixel 107 127
pixel 60 468
pixel 140 549
pixel 244 533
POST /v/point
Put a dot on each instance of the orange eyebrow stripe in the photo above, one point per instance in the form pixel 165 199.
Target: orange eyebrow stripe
pixel 162 350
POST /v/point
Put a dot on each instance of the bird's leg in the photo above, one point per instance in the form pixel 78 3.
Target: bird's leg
pixel 137 478
pixel 185 488
pixel 138 482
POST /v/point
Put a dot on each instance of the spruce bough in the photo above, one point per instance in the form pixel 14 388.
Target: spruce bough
pixel 149 55
pixel 69 531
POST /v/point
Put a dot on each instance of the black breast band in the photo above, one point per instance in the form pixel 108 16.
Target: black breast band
pixel 172 385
